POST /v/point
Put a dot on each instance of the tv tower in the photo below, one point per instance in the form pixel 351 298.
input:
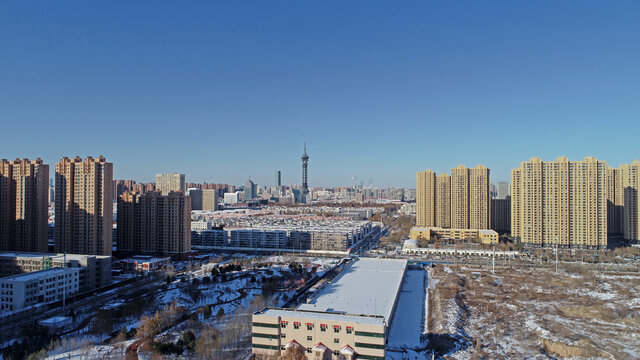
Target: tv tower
pixel 305 160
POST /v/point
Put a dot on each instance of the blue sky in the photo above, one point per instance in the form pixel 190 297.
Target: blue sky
pixel 226 90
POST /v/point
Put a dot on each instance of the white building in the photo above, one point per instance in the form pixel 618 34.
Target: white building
pixel 231 198
pixel 20 291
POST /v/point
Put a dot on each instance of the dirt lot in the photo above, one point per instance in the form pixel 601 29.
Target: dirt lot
pixel 533 314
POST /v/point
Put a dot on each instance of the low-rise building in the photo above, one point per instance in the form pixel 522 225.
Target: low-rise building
pixel 144 263
pixel 95 270
pixel 20 291
pixel 209 238
pixel 485 236
pixel 348 318
pixel 258 239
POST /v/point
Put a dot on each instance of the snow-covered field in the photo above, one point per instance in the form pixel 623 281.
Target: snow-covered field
pixel 534 314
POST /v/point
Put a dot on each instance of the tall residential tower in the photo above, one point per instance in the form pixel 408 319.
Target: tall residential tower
pixel 24 188
pixel 560 202
pixel 84 206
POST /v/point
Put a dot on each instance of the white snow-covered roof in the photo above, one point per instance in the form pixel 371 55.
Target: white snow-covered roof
pixel 411 243
pixel 366 286
pixel 327 316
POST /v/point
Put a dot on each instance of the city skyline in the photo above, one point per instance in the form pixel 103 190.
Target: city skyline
pixel 363 87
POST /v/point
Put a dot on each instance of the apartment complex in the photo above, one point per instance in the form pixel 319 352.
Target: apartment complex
pixel 154 223
pixel 347 319
pixel 20 291
pixel 203 199
pixel 95 270
pixel 460 201
pixel 83 206
pixel 622 203
pixel 166 183
pixel 24 190
pixel 560 202
pixel 501 214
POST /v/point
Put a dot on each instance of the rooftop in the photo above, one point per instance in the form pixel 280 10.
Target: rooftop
pixel 366 286
pixel 10 254
pixel 321 315
pixel 38 274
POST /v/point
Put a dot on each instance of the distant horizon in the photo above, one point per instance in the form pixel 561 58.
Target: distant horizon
pixel 271 182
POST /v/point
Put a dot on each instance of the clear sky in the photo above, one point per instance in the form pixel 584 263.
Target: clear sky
pixel 225 90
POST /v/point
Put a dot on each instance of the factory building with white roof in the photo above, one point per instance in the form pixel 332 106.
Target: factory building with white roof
pixel 347 318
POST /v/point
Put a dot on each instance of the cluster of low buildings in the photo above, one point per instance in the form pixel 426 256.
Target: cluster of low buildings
pixel 293 232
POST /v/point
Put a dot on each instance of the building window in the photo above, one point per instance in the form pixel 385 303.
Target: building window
pixel 309 338
pixel 309 350
pixel 323 327
pixel 349 330
pixel 283 335
pixel 296 326
pixel 309 326
pixel 336 340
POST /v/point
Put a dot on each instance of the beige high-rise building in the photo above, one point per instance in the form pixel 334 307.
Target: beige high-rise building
pixel 626 187
pixel 443 201
pixel 460 201
pixel 460 197
pixel 209 199
pixel 24 191
pixel 479 198
pixel 83 206
pixel 166 183
pixel 562 201
pixel 425 198
pixel 154 223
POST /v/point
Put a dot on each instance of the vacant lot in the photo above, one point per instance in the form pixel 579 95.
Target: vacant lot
pixel 533 314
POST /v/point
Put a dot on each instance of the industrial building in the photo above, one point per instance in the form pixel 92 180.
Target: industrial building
pixel 20 291
pixel 95 270
pixel 349 318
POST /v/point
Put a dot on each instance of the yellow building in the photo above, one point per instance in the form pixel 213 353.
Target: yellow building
pixel 560 202
pixel 624 200
pixel 425 233
pixel 460 201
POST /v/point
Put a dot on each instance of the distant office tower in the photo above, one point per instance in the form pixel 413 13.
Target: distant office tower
pixel 210 200
pixel 460 201
pixel 84 207
pixel 24 191
pixel 154 223
pixel 560 202
pixel 305 187
pixel 494 191
pixel 501 215
pixel 249 190
pixel 503 190
pixel 165 183
pixel 623 209
pixel 278 181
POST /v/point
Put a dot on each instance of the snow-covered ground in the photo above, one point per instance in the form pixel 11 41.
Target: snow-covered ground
pixel 407 323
